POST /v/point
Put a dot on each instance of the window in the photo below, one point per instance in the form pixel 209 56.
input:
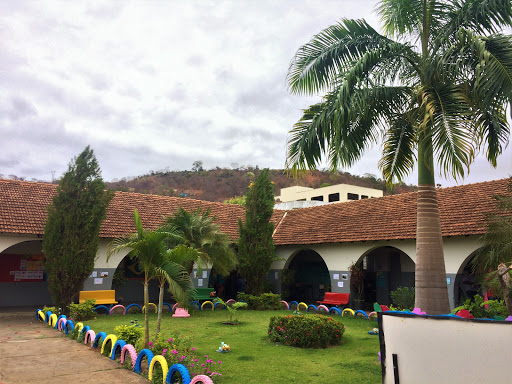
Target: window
pixel 318 198
pixel 352 196
pixel 364 197
pixel 334 197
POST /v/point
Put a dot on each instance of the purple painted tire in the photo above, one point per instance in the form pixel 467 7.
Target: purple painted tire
pixel 129 349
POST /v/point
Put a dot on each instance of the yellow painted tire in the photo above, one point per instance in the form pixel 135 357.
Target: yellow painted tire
pixel 163 364
pixel 302 304
pixel 41 315
pixel 150 304
pixel 206 302
pixel 78 328
pixel 347 310
pixel 52 322
pixel 112 338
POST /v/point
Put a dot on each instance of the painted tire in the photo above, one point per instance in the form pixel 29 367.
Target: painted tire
pixel 347 310
pixel 201 379
pixel 144 353
pixel 61 324
pixel 285 304
pixel 130 350
pixel 112 338
pixel 40 316
pixel 163 363
pixel 150 304
pixel 230 301
pixel 312 306
pixel 89 337
pixel 321 306
pixel 183 371
pixel 303 304
pixel 335 310
pixel 174 307
pixel 132 305
pixel 82 333
pixel 52 321
pixel 168 306
pixel 217 304
pixel 118 306
pixel 361 312
pixel 207 302
pixel 58 319
pixel 70 326
pixel 79 327
pixel 47 316
pixel 372 314
pixel 197 303
pixel 103 307
pixel 37 313
pixel 291 303
pixel 99 336
pixel 118 346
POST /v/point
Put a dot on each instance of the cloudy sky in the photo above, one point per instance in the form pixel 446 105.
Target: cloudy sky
pixel 155 85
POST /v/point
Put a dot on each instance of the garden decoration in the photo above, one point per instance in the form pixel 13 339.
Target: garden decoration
pixel 312 306
pixel 181 312
pixel 129 350
pixel 374 331
pixel 180 369
pixel 52 322
pixel 99 336
pixel 201 379
pixel 335 310
pixel 82 333
pixel 418 311
pixel 347 310
pixel 144 353
pixel 135 322
pixel 118 347
pixel 285 304
pixel 90 336
pixel 133 306
pixel 321 306
pixel 224 348
pixel 58 320
pixel 302 304
pixel 150 305
pixel 362 313
pixel 207 303
pixel 102 307
pixel 112 338
pixel 163 364
pixel 118 306
pixel 69 326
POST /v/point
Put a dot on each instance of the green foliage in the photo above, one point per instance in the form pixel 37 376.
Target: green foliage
pixel 255 245
pixel 403 297
pixel 52 310
pixel 477 308
pixel 312 331
pixel 232 309
pixel 82 311
pixel 265 301
pixel 72 229
pixel 129 333
pixel 239 200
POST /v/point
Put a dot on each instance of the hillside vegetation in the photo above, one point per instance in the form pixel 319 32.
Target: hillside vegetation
pixel 221 184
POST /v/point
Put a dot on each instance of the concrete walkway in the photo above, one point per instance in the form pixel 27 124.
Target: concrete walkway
pixel 32 352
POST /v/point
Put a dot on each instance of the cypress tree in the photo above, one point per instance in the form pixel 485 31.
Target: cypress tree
pixel 256 246
pixel 72 229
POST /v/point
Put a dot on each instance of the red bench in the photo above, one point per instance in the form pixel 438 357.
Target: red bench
pixel 335 298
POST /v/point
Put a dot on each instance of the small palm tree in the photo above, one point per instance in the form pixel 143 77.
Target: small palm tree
pixel 149 248
pixel 435 88
pixel 199 231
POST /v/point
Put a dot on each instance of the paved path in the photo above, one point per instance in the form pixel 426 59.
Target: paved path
pixel 32 352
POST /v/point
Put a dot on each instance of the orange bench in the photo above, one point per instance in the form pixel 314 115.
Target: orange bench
pixel 335 298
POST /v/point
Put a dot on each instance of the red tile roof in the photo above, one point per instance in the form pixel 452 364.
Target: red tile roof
pixel 463 208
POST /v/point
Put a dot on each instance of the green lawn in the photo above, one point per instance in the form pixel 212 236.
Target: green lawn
pixel 254 359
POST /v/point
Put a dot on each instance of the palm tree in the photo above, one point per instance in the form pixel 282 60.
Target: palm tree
pixel 199 231
pixel 435 88
pixel 496 252
pixel 149 248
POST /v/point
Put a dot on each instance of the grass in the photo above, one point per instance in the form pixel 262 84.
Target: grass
pixel 254 359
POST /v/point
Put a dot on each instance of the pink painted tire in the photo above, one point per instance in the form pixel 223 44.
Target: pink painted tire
pixel 174 307
pixel 230 301
pixel 61 324
pixel 321 306
pixel 201 379
pixel 129 349
pixel 372 314
pixel 285 304
pixel 89 337
pixel 118 306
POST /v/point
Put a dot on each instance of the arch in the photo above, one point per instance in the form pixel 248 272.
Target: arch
pixel 97 338
pixel 134 305
pixel 112 338
pixel 465 285
pixel 130 350
pixel 163 364
pixel 182 370
pixel 305 277
pixel 144 353
pixel 117 348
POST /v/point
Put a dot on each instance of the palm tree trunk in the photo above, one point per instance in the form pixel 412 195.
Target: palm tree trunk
pixel 160 305
pixel 431 287
pixel 146 314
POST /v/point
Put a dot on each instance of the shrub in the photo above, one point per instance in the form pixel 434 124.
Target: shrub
pixel 311 331
pixel 129 333
pixel 82 311
pixel 52 310
pixel 477 309
pixel 403 297
pixel 265 301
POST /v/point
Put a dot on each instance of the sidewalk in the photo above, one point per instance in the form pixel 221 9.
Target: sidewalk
pixel 32 352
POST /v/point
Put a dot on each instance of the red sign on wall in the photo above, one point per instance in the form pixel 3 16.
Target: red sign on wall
pixel 21 268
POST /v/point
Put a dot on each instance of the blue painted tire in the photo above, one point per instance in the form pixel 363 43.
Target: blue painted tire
pixel 47 316
pixel 102 306
pixel 99 336
pixel 183 371
pixel 37 313
pixel 361 312
pixel 70 326
pixel 215 305
pixel 58 318
pixel 83 332
pixel 334 309
pixel 196 303
pixel 144 353
pixel 293 302
pixel 117 346
pixel 312 306
pixel 168 305
pixel 133 305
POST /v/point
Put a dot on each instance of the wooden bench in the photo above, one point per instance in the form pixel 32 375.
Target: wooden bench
pixel 203 294
pixel 101 297
pixel 335 298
